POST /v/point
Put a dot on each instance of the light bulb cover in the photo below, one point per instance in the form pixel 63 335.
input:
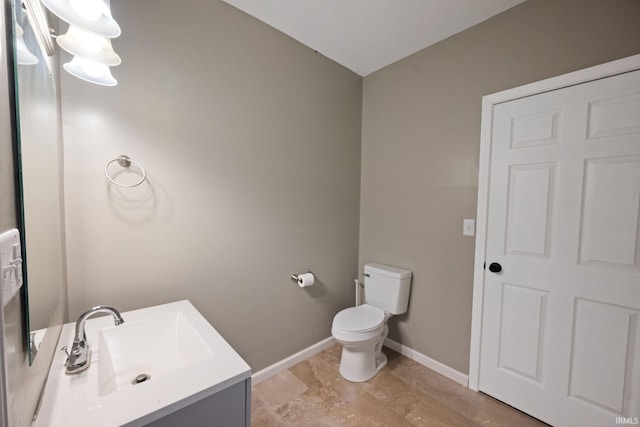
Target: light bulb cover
pixel 104 26
pixel 88 9
pixel 25 57
pixel 90 71
pixel 88 45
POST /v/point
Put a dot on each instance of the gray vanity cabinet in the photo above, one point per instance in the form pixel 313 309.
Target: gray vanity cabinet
pixel 230 407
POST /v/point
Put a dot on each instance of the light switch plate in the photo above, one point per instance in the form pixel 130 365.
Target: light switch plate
pixel 10 265
pixel 469 227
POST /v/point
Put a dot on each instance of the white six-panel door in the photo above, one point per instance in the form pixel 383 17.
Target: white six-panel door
pixel 561 321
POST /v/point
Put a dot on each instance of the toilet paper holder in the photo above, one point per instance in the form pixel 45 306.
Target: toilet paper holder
pixel 295 278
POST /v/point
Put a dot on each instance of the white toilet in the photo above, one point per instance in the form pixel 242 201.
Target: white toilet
pixel 361 330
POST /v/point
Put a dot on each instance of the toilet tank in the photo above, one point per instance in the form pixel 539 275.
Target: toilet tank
pixel 387 287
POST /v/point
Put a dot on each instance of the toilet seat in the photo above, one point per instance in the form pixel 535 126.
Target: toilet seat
pixel 363 318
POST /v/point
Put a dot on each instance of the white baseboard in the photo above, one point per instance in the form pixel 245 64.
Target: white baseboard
pixel 284 364
pixel 306 353
pixel 430 363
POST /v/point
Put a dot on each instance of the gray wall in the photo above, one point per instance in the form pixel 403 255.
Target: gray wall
pixel 251 143
pixel 420 145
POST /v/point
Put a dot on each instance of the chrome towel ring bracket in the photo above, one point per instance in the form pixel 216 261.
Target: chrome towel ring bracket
pixel 125 162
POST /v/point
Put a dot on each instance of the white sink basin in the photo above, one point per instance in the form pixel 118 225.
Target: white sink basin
pixel 180 356
pixel 151 347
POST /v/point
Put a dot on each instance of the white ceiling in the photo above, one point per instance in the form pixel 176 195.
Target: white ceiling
pixel 366 35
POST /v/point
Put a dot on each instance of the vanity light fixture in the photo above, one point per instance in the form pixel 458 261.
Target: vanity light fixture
pixel 87 45
pixel 90 71
pixel 91 27
pixel 40 25
pixel 91 15
pixel 25 57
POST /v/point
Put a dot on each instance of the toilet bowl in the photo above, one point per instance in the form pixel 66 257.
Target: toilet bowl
pixel 362 329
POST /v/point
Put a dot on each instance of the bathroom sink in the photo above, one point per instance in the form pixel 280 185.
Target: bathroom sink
pixel 138 351
pixel 160 360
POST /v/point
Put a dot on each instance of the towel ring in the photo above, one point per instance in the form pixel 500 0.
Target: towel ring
pixel 125 162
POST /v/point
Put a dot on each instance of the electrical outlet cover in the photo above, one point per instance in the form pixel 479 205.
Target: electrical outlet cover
pixel 10 265
pixel 469 227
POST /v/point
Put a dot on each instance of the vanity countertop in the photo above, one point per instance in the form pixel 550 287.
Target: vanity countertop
pixel 93 398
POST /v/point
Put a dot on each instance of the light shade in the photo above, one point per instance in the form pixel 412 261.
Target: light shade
pixel 82 43
pixel 25 57
pixel 90 71
pixel 91 15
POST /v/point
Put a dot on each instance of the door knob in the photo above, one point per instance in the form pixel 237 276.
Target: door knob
pixel 494 267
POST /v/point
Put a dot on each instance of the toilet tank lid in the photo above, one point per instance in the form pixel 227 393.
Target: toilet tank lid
pixel 387 270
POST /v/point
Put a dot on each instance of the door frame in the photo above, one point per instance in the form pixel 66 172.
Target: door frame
pixel 608 69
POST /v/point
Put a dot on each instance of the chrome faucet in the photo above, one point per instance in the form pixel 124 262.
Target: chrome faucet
pixel 80 357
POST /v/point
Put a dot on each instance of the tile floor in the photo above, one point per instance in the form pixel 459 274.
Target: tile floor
pixel 405 393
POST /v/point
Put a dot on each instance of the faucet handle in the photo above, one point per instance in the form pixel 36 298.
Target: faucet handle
pixel 79 358
pixel 65 349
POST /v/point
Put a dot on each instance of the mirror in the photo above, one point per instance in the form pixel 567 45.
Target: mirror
pixel 40 153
